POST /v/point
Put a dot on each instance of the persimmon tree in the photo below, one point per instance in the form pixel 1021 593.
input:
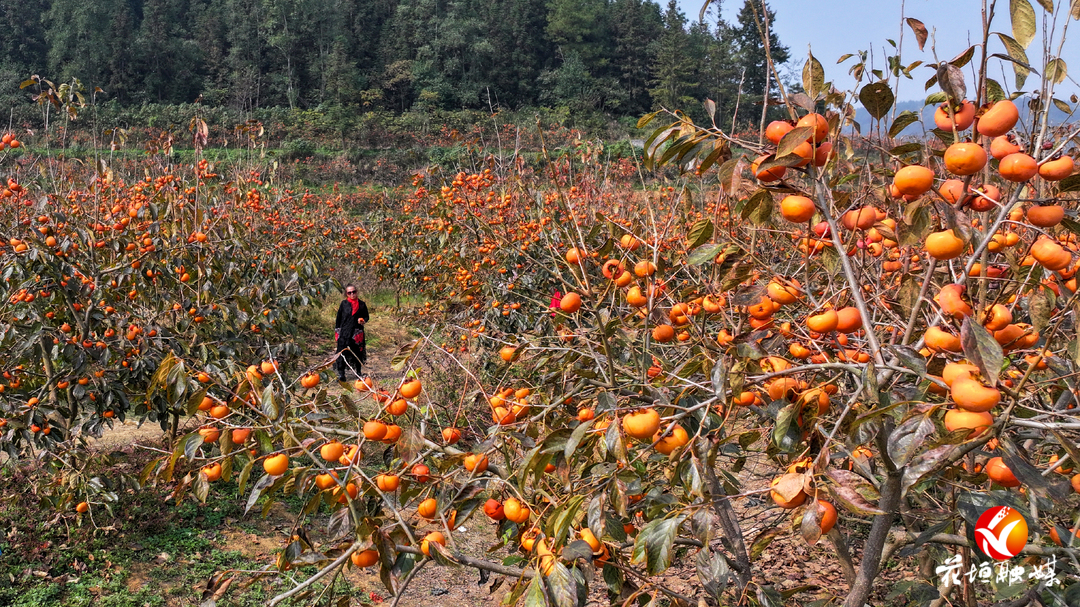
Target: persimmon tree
pixel 885 324
pixel 136 289
pixel 899 345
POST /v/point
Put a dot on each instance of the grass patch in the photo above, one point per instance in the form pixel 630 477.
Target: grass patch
pixel 148 552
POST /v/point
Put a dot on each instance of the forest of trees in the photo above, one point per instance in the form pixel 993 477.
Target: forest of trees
pixel 618 57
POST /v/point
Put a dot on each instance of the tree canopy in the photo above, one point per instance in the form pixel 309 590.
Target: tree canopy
pixel 622 57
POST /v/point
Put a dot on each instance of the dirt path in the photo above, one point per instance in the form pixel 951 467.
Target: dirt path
pixel 385 336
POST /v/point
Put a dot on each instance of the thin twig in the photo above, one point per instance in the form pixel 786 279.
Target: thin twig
pixel 338 562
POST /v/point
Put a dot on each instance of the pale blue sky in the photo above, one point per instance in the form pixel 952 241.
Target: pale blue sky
pixel 836 27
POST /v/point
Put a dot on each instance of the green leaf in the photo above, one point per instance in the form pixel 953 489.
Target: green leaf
pixel 994 92
pixel 793 139
pixel 562 585
pixel 576 437
pixel 787 435
pixel 1024 22
pixel 158 380
pixel 653 143
pixel 654 544
pixel 191 444
pixel 564 517
pixel 877 98
pixel 577 549
pixel 1070 184
pixel 705 254
pixel 700 233
pixel 270 407
pixel 935 98
pixel 595 515
pixel 904 120
pixel 982 349
pixel 813 76
pixel 922 465
pixel 762 541
pixel 758 208
pixel 1021 66
pixel 853 492
pixel 646 119
pixel 908 437
pixel 907 355
pixel 1056 70
pixel 245 473
pixel 195 400
pixel 749 438
pixel 256 492
pixel 906 148
pixel 917 229
pixel 963 58
pixel 712 571
pixel 719 149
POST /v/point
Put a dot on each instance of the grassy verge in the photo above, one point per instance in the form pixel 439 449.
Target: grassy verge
pixel 147 552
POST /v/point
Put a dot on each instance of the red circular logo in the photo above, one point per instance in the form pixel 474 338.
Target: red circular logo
pixel 1001 533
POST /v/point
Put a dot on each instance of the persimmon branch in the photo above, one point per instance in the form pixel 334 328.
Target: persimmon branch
pixel 475 563
pixel 825 206
pixel 338 562
pixel 405 583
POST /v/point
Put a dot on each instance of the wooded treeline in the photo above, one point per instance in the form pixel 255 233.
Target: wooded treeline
pixel 619 57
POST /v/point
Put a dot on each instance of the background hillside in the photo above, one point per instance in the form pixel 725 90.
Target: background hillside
pixel 617 58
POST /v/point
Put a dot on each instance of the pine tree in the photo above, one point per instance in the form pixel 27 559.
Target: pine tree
pixel 78 35
pixel 751 55
pixel 673 67
pixel 720 73
pixel 636 25
pixel 167 61
pixel 521 51
pixel 582 27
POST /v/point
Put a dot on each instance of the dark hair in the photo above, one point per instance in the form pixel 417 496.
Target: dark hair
pixel 349 286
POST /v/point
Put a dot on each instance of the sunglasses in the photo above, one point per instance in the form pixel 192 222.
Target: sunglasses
pixel 350 292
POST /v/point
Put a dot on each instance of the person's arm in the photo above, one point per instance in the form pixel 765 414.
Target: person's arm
pixel 363 311
pixel 338 320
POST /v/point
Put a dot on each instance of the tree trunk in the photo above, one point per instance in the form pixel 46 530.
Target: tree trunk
pixel 879 533
pixel 729 523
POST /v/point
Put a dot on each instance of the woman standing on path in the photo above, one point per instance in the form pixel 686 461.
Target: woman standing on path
pixel 349 332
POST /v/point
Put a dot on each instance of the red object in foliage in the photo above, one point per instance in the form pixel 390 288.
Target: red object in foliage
pixel 556 300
